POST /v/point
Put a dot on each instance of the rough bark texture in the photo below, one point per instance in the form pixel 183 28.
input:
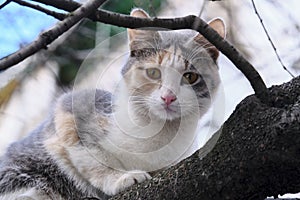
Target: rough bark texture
pixel 257 155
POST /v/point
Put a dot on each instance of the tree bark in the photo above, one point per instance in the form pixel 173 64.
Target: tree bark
pixel 256 154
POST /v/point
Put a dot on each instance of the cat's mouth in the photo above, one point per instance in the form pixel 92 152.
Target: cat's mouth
pixel 169 112
pixel 170 109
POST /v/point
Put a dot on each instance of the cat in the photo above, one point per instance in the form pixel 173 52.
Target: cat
pixel 96 144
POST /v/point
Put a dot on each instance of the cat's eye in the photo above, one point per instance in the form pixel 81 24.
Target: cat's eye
pixel 190 78
pixel 153 73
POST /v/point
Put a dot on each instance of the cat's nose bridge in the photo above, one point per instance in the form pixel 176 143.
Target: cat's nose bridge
pixel 170 87
pixel 170 84
pixel 172 77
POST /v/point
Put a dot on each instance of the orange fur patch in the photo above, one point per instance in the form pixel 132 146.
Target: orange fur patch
pixel 66 128
pixel 65 135
pixel 162 55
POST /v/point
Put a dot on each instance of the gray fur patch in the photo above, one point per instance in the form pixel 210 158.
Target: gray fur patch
pixel 98 100
pixel 27 164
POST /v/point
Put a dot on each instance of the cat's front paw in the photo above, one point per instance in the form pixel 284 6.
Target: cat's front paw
pixel 128 179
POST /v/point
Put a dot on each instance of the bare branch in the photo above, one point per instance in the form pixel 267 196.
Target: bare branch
pixel 269 38
pixel 5 4
pixel 52 13
pixel 49 36
pixel 69 5
pixel 202 8
pixel 187 22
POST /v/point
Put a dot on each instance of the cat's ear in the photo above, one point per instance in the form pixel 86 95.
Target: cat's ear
pixel 134 33
pixel 138 12
pixel 136 36
pixel 219 26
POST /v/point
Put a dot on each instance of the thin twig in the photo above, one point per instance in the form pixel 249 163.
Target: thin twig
pixel 269 38
pixel 52 13
pixel 166 24
pixel 202 8
pixel 49 36
pixel 5 4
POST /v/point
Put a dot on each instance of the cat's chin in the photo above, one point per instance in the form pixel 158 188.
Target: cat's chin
pixel 168 114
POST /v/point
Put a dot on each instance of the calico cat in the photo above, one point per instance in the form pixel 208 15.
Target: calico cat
pixel 96 144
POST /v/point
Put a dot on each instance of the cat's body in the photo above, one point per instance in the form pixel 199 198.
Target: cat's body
pixel 96 142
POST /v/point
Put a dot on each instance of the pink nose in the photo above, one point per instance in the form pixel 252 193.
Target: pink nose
pixel 168 99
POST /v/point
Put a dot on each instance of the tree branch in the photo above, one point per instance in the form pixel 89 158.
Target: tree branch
pixel 59 16
pixel 5 4
pixel 254 155
pixel 187 22
pixel 49 36
pixel 270 40
pixel 67 5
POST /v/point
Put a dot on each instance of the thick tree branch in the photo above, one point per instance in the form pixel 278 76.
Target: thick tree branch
pixel 187 22
pixel 256 155
pixel 49 36
pixel 52 13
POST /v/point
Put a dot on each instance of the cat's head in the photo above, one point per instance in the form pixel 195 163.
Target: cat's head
pixel 171 74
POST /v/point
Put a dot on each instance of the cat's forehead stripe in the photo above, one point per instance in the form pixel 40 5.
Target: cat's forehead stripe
pixel 168 57
pixel 162 55
pixel 186 64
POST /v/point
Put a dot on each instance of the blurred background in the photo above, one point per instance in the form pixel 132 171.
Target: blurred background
pixel 75 61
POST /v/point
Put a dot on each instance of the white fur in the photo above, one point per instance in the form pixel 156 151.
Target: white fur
pixel 112 164
pixel 27 194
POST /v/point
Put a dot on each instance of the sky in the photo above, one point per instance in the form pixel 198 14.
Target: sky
pixel 20 25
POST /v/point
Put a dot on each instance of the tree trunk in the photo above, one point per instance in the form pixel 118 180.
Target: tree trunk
pixel 256 154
